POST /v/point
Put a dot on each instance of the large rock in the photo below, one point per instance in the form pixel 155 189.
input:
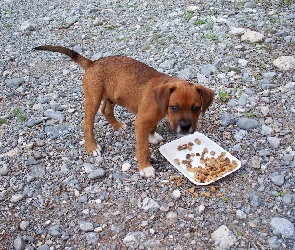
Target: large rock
pixel 285 62
pixel 223 238
pixel 252 37
pixel 282 226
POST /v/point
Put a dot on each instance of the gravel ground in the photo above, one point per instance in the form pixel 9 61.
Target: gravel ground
pixel 54 196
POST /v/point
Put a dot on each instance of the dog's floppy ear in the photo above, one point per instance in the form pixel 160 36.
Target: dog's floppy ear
pixel 207 96
pixel 162 94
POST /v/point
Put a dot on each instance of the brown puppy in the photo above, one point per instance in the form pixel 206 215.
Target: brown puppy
pixel 143 91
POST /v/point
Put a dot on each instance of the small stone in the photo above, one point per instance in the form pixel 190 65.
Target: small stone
pixel 24 225
pixel 168 64
pixel 16 197
pixel 44 247
pixel 278 180
pixel 132 240
pixel 264 111
pixel 86 226
pixel 92 238
pixel 223 238
pixel 70 21
pixel 126 167
pixel 186 74
pixel 274 142
pixel 240 214
pixel 274 243
pixel 19 243
pixel 247 123
pixel 14 82
pixel 266 130
pixel 282 226
pixel 171 215
pixel 149 203
pixel 252 37
pixel 97 173
pixel 248 5
pixel 242 100
pixel 237 31
pixel 255 162
pixel 176 194
pixel 31 161
pixel 208 69
pixel 27 26
pixel 201 208
pixel 56 115
pixel 4 170
pixel 287 199
pixel 83 198
pixel 285 62
pixel 242 62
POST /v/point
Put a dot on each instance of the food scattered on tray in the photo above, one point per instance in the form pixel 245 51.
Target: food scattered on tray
pixel 200 159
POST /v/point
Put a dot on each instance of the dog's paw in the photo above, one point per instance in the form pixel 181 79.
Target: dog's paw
pixel 97 151
pixel 148 172
pixel 123 127
pixel 155 138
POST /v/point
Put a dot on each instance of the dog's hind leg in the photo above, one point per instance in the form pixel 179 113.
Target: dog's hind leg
pixel 93 97
pixel 108 111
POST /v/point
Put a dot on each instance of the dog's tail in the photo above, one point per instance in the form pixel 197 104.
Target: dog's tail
pixel 79 59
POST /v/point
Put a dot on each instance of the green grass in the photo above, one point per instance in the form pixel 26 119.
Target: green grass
pixel 2 121
pixel 189 15
pixel 19 114
pixel 224 199
pixel 223 95
pixel 199 22
pixel 212 37
pixel 287 3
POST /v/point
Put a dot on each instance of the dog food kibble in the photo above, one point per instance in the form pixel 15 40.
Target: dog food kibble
pixel 197 140
pixel 177 161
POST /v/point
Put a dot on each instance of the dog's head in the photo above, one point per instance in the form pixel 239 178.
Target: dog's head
pixel 183 102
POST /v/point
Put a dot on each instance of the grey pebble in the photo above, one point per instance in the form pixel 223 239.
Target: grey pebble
pixel 44 247
pixel 282 226
pixel 247 123
pixel 4 170
pixel 19 243
pixel 274 142
pixel 14 82
pixel 186 74
pixel 97 173
pixel 274 243
pixel 86 226
pixel 54 115
pixel 287 199
pixel 278 180
pixel 24 225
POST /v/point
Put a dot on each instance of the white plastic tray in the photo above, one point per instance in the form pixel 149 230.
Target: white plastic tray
pixel 170 152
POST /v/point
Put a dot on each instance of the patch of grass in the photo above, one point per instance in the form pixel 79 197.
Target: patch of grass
pixel 111 27
pixel 92 17
pixel 239 232
pixel 242 175
pixel 212 37
pixel 250 114
pixel 2 121
pixel 189 15
pixel 19 114
pixel 235 69
pixel 287 3
pixel 223 95
pixel 260 196
pixel 281 193
pixel 199 22
pixel 224 199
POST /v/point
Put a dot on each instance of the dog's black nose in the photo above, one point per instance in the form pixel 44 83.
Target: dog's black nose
pixel 185 126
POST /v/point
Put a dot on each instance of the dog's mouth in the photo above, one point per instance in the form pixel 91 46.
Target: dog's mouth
pixel 184 128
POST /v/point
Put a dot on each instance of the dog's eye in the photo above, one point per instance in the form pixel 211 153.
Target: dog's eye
pixel 195 109
pixel 174 108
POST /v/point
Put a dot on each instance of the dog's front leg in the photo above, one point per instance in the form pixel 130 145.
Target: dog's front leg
pixel 142 128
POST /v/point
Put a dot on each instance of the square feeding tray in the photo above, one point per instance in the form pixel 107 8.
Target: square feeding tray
pixel 190 153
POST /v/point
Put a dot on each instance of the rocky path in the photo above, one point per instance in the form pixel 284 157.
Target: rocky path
pixel 54 196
